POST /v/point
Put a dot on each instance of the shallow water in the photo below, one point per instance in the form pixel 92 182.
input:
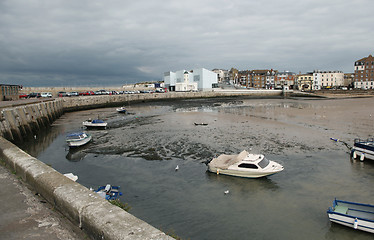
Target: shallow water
pixel 140 151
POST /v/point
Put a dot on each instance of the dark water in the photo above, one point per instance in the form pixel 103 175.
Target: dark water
pixel 140 151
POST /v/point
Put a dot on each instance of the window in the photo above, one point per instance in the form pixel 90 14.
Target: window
pixel 264 162
pixel 248 165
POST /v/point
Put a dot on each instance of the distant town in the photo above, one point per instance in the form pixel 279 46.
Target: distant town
pixel 202 79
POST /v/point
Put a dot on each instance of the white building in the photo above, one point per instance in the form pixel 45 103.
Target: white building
pixel 223 75
pixel 198 79
pixel 327 79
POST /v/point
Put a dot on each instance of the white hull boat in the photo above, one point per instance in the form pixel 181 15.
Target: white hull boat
pixel 121 110
pixel 78 139
pixel 351 214
pixel 96 123
pixel 363 149
pixel 244 165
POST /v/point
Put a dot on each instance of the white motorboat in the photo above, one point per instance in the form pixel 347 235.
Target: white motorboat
pixel 244 165
pixel 96 123
pixel 355 215
pixel 78 139
pixel 121 110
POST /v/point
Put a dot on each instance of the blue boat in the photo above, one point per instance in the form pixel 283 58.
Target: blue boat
pixel 78 139
pixel 109 192
pixel 355 215
pixel 96 123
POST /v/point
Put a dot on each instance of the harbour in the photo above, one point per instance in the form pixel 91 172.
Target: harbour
pixel 140 151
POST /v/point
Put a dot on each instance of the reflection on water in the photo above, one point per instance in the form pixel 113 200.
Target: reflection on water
pixel 191 201
pixel 75 155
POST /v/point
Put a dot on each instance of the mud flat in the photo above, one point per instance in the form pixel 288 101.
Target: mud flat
pixel 140 151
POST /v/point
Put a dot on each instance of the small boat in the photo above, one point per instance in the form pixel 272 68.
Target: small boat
pixel 121 110
pixel 109 192
pixel 96 123
pixel 245 165
pixel 356 215
pixel 202 124
pixel 78 139
pixel 363 148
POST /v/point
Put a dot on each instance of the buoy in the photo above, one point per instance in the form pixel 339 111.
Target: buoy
pixel 362 157
pixel 355 224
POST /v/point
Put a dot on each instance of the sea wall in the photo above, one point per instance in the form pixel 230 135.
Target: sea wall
pixel 85 102
pixel 93 214
pixel 17 121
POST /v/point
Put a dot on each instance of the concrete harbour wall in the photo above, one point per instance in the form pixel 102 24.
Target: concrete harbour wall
pixel 82 103
pixel 16 122
pixel 95 215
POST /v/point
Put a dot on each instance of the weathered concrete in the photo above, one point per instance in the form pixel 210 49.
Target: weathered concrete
pixel 96 216
pixel 26 215
pixel 20 120
pixel 89 102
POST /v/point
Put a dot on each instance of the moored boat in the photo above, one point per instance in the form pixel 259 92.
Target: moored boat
pixel 121 110
pixel 244 165
pixel 78 139
pixel 109 192
pixel 355 215
pixel 363 148
pixel 96 123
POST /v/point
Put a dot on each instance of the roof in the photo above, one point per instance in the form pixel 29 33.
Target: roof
pixel 224 161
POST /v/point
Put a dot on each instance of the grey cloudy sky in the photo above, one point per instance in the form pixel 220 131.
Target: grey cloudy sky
pixel 113 42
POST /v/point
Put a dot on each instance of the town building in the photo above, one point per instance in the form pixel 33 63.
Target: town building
pixel 285 79
pixel 222 75
pixel 234 76
pixel 9 92
pixel 349 80
pixel 364 73
pixel 304 82
pixel 243 78
pixel 327 79
pixel 261 78
pixel 199 79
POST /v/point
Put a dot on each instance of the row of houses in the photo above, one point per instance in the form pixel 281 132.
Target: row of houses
pixel 362 78
pixel 273 79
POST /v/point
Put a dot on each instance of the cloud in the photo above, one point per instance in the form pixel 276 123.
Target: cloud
pixel 114 42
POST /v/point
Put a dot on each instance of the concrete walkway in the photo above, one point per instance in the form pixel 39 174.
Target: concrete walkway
pixel 26 215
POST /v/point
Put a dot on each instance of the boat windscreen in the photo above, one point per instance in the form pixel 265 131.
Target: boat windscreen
pixel 264 162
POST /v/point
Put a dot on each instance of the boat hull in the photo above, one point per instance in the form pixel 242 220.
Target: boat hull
pixel 349 221
pixel 363 149
pixel 244 174
pixel 355 215
pixel 94 125
pixel 80 142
